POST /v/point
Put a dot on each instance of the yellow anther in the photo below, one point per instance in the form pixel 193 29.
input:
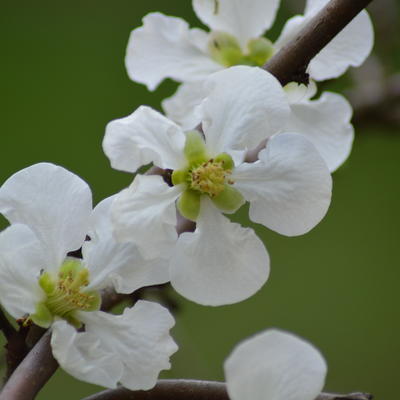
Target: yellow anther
pixel 209 178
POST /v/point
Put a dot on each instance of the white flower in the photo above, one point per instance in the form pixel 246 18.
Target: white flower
pixel 166 47
pixel 275 365
pixel 50 211
pixel 289 187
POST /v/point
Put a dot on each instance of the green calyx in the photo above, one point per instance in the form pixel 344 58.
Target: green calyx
pixel 204 175
pixel 226 50
pixel 260 51
pixel 65 295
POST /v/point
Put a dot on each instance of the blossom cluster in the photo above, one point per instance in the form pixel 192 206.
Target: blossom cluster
pixel 226 108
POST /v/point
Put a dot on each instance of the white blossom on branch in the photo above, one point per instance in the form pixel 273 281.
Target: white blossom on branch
pixel 289 187
pixel 275 365
pixel 165 47
pixel 50 211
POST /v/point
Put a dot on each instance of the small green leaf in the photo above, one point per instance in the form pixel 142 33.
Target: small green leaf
pixel 229 200
pixel 260 51
pixel 42 316
pixel 226 160
pixel 195 148
pixel 224 49
pixel 179 176
pixel 189 204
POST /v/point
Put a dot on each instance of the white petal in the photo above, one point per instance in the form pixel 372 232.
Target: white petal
pixel 55 203
pixel 244 105
pixel 131 348
pixel 349 48
pixel 21 259
pixel 145 214
pixel 275 365
pixel 313 6
pixel 220 263
pixel 297 93
pixel 83 356
pixel 326 123
pixel 290 30
pixel 183 106
pixel 289 188
pixel 165 47
pixel 118 264
pixel 245 20
pixel 143 137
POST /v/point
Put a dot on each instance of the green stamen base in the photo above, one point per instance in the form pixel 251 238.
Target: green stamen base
pixel 205 176
pixel 65 295
pixel 226 50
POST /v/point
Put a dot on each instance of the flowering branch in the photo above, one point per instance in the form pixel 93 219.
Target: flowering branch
pixel 290 63
pixel 287 65
pixel 195 390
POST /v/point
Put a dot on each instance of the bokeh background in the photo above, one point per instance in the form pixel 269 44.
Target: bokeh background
pixel 62 78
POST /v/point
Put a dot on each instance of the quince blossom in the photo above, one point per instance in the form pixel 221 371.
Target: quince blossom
pixel 50 211
pixel 289 187
pixel 275 365
pixel 166 47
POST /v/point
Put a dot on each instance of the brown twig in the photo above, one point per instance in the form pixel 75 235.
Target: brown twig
pixel 291 62
pixel 181 389
pixel 5 325
pixel 32 374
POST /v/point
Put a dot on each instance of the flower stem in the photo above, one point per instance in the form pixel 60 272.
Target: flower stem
pixel 181 389
pixel 291 62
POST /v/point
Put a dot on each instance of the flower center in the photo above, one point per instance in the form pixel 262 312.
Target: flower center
pixel 209 178
pixel 226 50
pixel 66 294
pixel 205 176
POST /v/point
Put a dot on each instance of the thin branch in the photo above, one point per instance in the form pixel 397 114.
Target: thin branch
pixel 5 325
pixel 291 62
pixel 182 389
pixel 32 374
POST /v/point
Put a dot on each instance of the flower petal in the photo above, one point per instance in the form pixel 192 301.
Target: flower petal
pixel 326 123
pixel 131 348
pixel 165 47
pixel 289 188
pixel 21 259
pixel 313 6
pixel 349 48
pixel 275 365
pixel 183 106
pixel 144 136
pixel 298 92
pixel 290 30
pixel 145 214
pixel 55 203
pixel 220 263
pixel 118 264
pixel 244 19
pixel 83 355
pixel 244 105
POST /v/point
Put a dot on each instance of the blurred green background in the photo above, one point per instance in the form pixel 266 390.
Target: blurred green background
pixel 62 79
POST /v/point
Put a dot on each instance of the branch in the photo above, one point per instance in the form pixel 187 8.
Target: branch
pixel 291 62
pixel 194 390
pixel 32 374
pixel 5 326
